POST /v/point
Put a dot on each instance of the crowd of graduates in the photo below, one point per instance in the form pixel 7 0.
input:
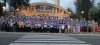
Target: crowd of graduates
pixel 41 23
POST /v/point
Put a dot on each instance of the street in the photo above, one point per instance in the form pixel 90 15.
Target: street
pixel 9 39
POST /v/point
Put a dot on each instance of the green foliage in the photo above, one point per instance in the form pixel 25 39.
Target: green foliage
pixel 84 5
pixel 75 16
pixel 95 13
pixel 18 3
pixel 11 8
pixel 77 4
pixel 1 9
pixel 69 10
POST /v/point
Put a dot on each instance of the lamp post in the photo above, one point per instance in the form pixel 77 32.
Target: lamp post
pixel 82 14
pixel 17 12
pixel 3 10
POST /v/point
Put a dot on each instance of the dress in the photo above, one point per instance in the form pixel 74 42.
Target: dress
pixel 80 28
pixel 73 29
pixel 76 29
pixel 60 29
pixel 87 28
pixel 96 29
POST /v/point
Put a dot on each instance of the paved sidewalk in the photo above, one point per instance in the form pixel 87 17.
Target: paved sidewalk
pixel 79 34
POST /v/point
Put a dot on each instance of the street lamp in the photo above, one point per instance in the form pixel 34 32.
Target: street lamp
pixel 82 14
pixel 17 12
pixel 4 10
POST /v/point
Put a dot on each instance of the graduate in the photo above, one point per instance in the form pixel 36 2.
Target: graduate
pixel 78 27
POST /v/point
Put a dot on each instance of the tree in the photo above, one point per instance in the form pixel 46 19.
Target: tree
pixel 77 4
pixel 69 10
pixel 84 5
pixel 18 3
pixel 75 16
pixel 10 8
pixel 1 9
pixel 94 13
pixel 99 4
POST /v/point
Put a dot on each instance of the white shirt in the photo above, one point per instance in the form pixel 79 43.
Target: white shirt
pixel 68 26
pixel 45 25
pixel 39 25
pixel 11 24
pixel 62 26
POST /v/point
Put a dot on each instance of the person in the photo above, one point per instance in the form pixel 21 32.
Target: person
pixel 76 29
pixel 6 27
pixel 32 28
pixel 68 28
pixel 48 25
pixel 42 27
pixel 96 28
pixel 15 24
pixel 11 26
pixel 62 28
pixel 51 28
pixel 45 28
pixel 39 27
pixel 36 26
pixel 87 28
pixel 81 27
pixel 73 28
pixel 57 29
pixel 19 30
pixel 0 24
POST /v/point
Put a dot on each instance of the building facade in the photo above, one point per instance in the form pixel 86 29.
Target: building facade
pixel 45 9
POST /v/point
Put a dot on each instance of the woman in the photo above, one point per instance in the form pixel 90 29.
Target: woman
pixel 96 28
pixel 2 26
pixel 87 28
pixel 68 28
pixel 62 28
pixel 59 28
pixel 73 28
pixel 19 26
pixel 32 28
pixel 76 29
pixel 36 26
pixel 6 26
pixel 80 27
pixel 42 27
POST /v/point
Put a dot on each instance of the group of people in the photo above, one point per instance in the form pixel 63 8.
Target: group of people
pixel 41 23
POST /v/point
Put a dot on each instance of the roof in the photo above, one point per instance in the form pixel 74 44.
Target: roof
pixel 41 3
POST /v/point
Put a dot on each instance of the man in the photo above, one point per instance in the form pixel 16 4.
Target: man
pixel 62 28
pixel 66 28
pixel 11 26
pixel 39 26
pixel 45 27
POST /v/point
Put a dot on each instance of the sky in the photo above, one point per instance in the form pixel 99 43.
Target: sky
pixel 63 3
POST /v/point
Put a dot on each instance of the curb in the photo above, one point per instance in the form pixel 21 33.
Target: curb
pixel 50 34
